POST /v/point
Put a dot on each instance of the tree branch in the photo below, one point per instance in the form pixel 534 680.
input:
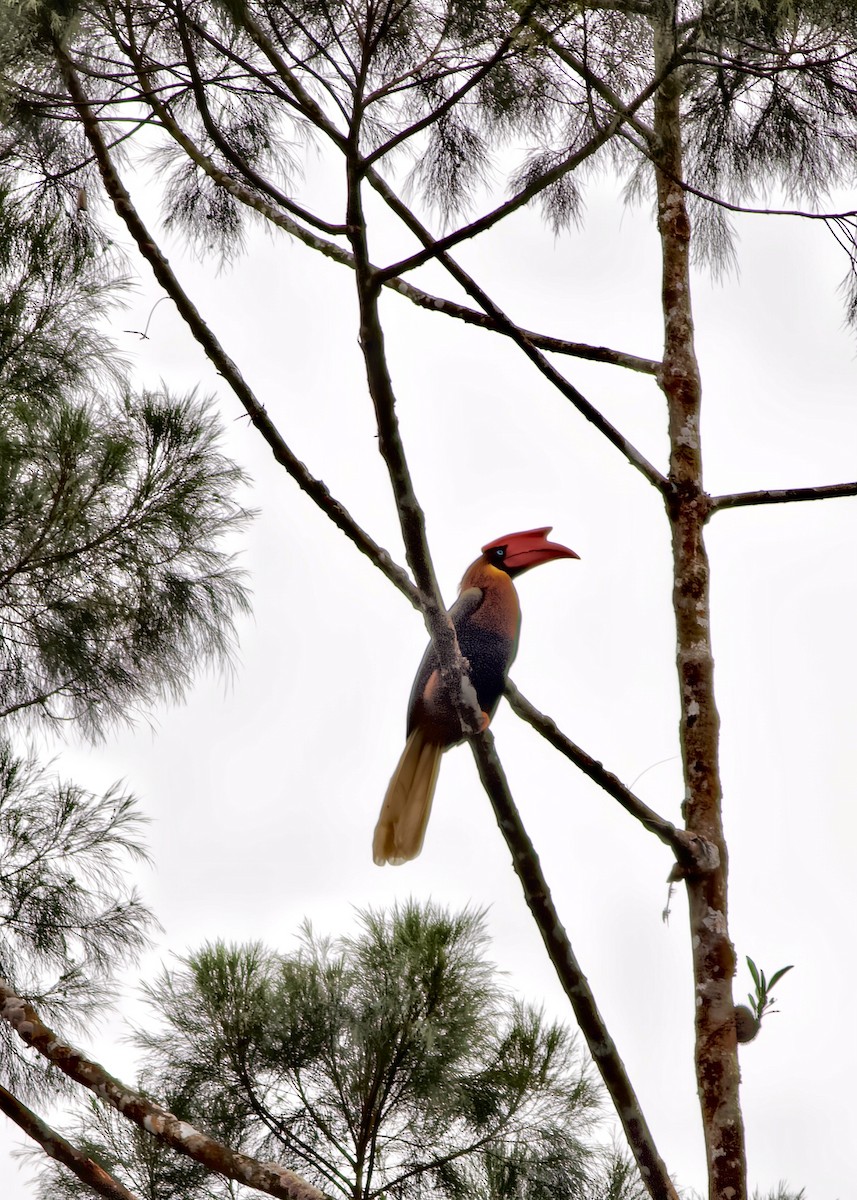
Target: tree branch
pixel 503 322
pixel 434 248
pixel 56 1147
pixel 270 1178
pixel 411 518
pixel 574 982
pixel 251 198
pixel 541 341
pixel 827 491
pixel 693 853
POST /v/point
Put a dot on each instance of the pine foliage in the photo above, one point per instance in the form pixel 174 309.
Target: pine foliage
pixel 68 919
pixel 116 583
pixel 446 98
pixel 391 1061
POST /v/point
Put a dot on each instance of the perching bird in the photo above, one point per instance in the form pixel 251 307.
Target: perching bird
pixel 487 621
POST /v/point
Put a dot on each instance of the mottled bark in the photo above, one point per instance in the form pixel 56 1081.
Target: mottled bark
pixel 62 1151
pixel 263 1177
pixel 688 508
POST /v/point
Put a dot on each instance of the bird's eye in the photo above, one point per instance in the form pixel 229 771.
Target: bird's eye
pixel 500 552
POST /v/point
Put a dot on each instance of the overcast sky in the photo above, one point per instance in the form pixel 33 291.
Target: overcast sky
pixel 263 790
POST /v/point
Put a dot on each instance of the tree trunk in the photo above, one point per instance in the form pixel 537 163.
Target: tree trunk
pixel 688 508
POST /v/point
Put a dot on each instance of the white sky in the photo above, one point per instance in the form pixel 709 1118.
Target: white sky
pixel 263 791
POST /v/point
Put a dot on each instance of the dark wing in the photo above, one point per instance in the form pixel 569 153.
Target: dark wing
pixel 461 611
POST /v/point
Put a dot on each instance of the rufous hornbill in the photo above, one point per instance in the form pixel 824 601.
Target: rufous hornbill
pixel 487 621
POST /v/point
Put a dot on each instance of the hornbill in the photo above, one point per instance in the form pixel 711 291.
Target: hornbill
pixel 487 621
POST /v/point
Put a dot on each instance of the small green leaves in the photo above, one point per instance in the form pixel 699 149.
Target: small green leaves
pixel 761 1002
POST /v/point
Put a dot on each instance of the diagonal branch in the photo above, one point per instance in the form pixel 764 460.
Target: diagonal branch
pixel 574 982
pixel 161 1124
pixel 827 491
pixel 411 517
pixel 503 322
pixel 519 200
pixel 56 1147
pixel 541 341
pixel 316 489
pixel 693 853
pixel 528 192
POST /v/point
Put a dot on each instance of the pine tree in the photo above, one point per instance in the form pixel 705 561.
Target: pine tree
pixel 117 585
pixel 391 1061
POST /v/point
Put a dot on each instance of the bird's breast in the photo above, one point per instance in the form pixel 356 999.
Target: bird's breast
pixel 488 637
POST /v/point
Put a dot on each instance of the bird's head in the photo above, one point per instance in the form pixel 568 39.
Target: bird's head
pixel 517 552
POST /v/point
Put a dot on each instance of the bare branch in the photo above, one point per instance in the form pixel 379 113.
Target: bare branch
pixel 503 322
pixel 541 341
pixel 56 1147
pixel 574 982
pixel 828 491
pixel 270 1178
pixel 729 206
pixel 411 516
pixel 692 853
pixel 530 191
